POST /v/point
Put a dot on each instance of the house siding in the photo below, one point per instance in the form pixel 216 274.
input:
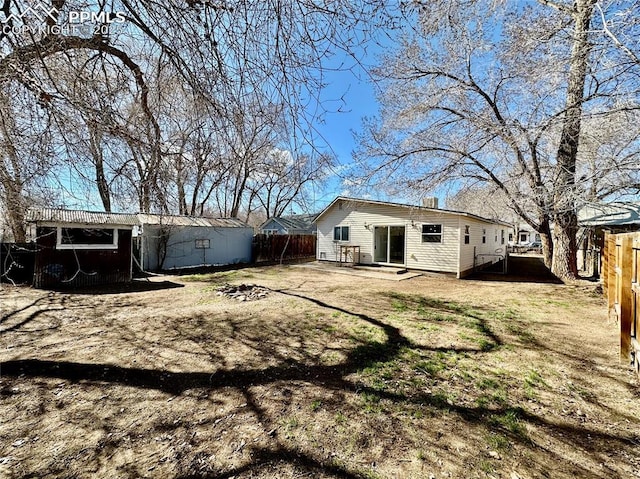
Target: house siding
pixel 429 256
pixel 449 256
pixel 493 245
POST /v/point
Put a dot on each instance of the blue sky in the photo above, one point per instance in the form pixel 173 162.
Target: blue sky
pixel 348 98
pixel 354 85
pixel 338 127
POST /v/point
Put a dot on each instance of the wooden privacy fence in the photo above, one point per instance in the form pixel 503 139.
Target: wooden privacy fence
pixel 620 273
pixel 277 248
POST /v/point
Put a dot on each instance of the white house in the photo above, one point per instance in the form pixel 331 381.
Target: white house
pixel 414 237
pixel 524 236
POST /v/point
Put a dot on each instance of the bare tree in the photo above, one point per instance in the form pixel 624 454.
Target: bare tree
pixel 618 20
pixel 282 180
pixel 25 154
pixel 236 60
pixel 503 105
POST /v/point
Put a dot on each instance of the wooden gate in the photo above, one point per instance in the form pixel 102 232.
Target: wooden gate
pixel 620 277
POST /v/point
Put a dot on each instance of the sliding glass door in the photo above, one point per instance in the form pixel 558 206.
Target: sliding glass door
pixel 381 244
pixel 388 242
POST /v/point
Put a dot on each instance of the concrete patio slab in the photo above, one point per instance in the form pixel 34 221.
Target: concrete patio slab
pixel 376 272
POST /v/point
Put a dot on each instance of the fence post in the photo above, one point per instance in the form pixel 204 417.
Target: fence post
pixel 611 273
pixel 635 346
pixel 604 274
pixel 626 297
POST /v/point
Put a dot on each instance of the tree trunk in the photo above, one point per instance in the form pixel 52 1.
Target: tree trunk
pixel 547 243
pixel 565 247
pixel 95 147
pixel 563 263
pixel 15 211
pixel 182 199
pixel 103 187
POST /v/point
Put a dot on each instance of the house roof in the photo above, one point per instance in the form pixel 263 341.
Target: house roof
pixel 294 222
pixel 55 215
pixel 413 207
pixel 609 214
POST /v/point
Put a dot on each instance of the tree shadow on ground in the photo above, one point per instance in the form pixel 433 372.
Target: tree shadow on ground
pixel 333 377
pixel 134 286
pixel 263 458
pixel 43 305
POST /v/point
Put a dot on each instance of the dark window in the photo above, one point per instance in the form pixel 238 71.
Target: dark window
pixel 341 233
pixel 484 235
pixel 467 234
pixel 202 244
pixel 501 236
pixel 88 236
pixel 432 233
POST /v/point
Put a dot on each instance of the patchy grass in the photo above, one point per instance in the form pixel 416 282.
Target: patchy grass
pixel 329 376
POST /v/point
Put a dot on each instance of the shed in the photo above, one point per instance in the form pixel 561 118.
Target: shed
pixel 414 237
pixel 80 248
pixel 177 242
pixel 289 225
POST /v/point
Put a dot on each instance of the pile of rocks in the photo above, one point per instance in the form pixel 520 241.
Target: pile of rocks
pixel 243 292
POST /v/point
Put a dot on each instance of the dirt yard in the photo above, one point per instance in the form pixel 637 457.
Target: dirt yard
pixel 328 375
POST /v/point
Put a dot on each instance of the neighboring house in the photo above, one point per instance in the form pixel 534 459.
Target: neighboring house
pixel 525 235
pixel 413 237
pixel 80 248
pixel 614 217
pixel 175 242
pixel 289 225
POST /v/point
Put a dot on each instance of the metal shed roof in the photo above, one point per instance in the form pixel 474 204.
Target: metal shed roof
pixel 172 220
pixel 55 215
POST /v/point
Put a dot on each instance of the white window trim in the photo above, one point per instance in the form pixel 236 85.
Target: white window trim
pixel 60 245
pixel 202 242
pixel 441 234
pixel 341 240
